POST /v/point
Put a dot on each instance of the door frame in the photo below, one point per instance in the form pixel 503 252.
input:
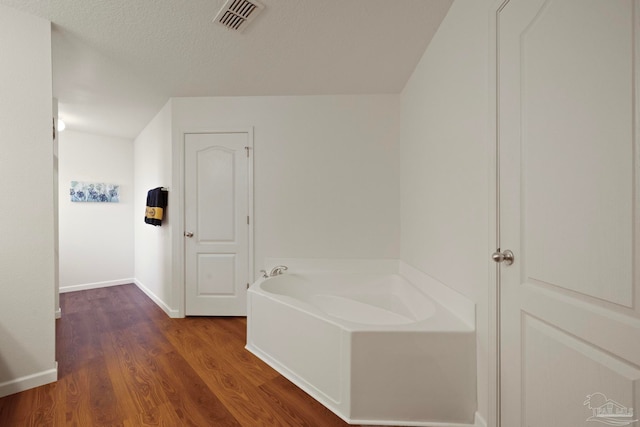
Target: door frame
pixel 493 241
pixel 177 200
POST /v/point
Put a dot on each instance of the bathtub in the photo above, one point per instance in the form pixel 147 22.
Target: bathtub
pixel 372 348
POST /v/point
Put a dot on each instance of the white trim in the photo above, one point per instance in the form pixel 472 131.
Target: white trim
pixel 478 422
pixel 492 243
pixel 636 137
pixel 58 313
pixel 250 212
pixel 451 299
pixel 157 300
pixel 29 381
pixel 177 226
pixel 85 286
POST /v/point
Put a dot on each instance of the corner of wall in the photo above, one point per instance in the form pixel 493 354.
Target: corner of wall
pixel 159 302
pixel 153 246
pixel 444 188
pixel 27 271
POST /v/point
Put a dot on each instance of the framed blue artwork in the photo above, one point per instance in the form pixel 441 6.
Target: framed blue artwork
pixel 94 192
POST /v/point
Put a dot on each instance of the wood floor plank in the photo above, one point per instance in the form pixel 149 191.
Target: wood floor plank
pixel 73 302
pixel 73 406
pixel 149 339
pixel 129 377
pixel 161 416
pixel 8 409
pixel 80 343
pixel 35 408
pixel 45 403
pixel 232 346
pixel 121 299
pixel 103 402
pixel 297 404
pixel 123 362
pixel 242 399
pixel 117 320
pixel 193 401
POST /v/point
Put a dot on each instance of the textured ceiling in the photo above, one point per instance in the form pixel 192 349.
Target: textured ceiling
pixel 116 62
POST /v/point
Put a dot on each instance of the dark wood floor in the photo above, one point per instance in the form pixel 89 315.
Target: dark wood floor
pixel 123 362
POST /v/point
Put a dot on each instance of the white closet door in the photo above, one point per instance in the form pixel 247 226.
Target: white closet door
pixel 216 223
pixel 570 212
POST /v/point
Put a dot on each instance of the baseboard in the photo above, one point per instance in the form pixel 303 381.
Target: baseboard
pixel 478 422
pixel 29 381
pixel 85 286
pixel 159 302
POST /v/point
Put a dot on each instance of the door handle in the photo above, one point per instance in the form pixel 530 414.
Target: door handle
pixel 188 234
pixel 507 257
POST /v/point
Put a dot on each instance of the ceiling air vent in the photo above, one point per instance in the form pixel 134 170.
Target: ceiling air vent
pixel 236 14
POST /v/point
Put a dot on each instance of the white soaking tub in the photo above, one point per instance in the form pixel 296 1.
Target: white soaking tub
pixel 372 348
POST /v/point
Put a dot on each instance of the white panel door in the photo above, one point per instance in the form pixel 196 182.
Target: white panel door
pixel 569 211
pixel 216 223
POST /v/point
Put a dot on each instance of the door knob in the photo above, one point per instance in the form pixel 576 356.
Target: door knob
pixel 188 234
pixel 507 257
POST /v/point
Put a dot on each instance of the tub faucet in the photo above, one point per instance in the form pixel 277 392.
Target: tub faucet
pixel 275 271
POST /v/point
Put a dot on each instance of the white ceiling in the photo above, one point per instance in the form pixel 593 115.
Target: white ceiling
pixel 116 62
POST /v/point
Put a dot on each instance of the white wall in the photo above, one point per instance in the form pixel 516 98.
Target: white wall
pixel 445 164
pixel 27 323
pixel 153 251
pixel 96 239
pixel 325 173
